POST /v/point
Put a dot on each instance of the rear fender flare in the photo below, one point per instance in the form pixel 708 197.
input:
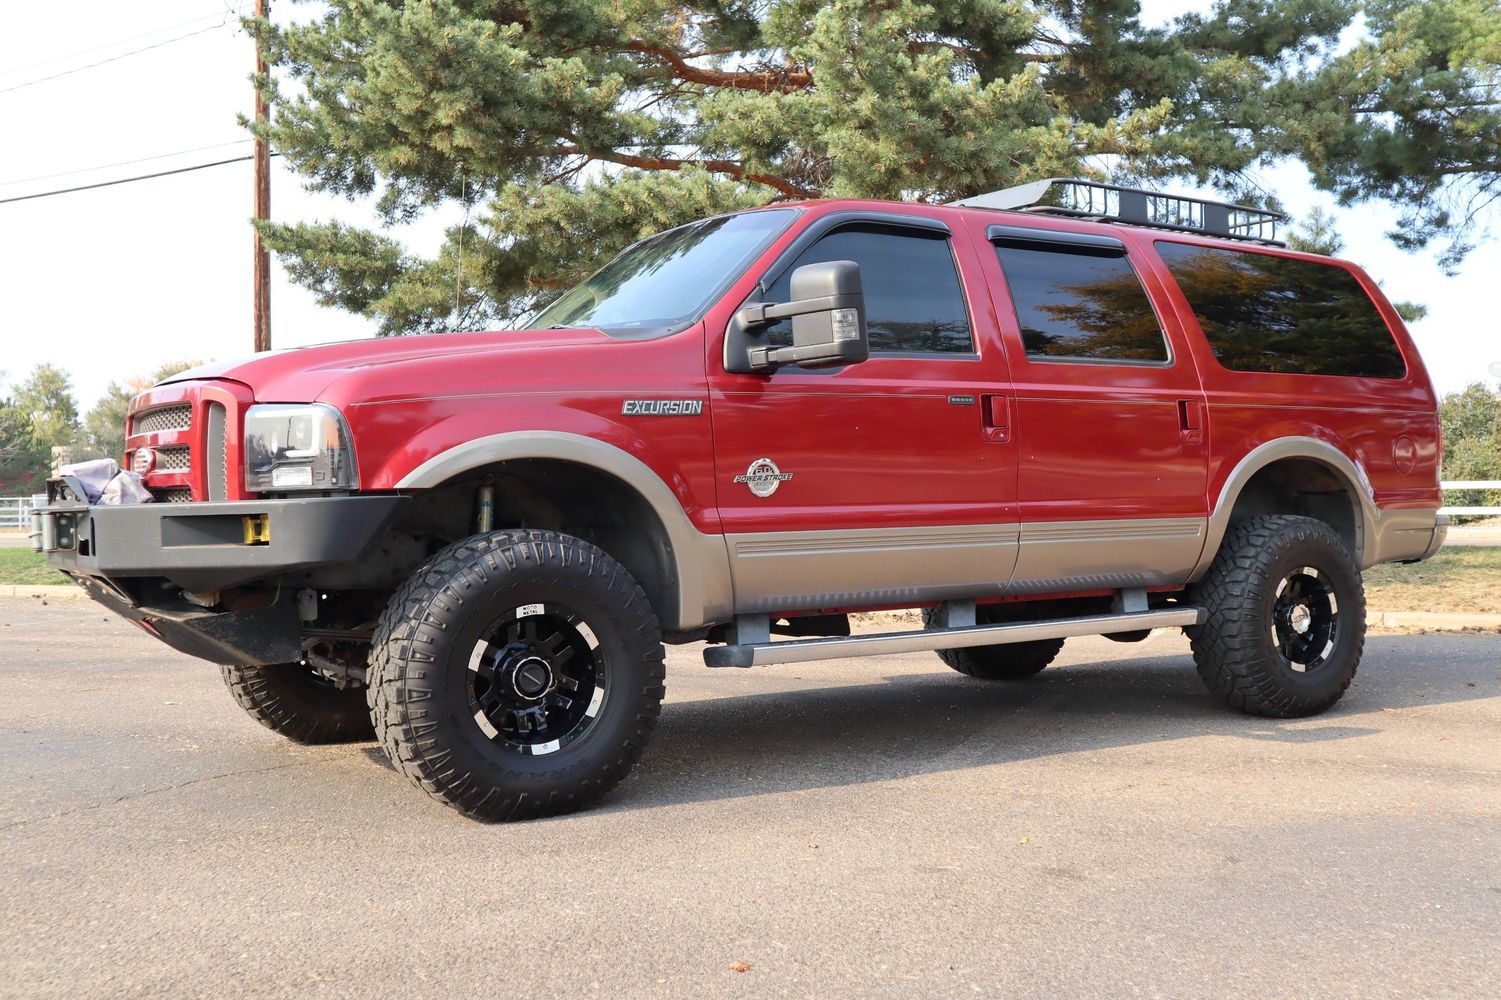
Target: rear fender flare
pixel 1357 483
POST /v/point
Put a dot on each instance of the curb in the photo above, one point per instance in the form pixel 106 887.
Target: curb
pixel 67 591
pixel 1374 619
pixel 1431 619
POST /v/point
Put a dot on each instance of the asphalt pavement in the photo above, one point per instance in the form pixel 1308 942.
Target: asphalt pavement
pixel 878 827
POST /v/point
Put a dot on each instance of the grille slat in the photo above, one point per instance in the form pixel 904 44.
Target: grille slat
pixel 217 467
pixel 176 494
pixel 164 418
pixel 173 459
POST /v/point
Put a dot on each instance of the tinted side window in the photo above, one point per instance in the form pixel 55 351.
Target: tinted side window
pixel 913 300
pixel 1081 304
pixel 1263 313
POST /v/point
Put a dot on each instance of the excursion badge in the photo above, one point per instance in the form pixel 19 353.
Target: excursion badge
pixel 662 407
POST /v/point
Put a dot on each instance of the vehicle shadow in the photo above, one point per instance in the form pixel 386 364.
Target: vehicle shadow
pixel 913 724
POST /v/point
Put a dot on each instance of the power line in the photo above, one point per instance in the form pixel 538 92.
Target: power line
pixel 127 180
pixel 122 55
pixel 119 41
pixel 122 163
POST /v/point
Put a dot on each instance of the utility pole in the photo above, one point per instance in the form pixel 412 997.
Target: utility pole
pixel 262 201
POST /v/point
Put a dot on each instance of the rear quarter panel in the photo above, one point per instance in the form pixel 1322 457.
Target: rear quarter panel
pixel 1388 427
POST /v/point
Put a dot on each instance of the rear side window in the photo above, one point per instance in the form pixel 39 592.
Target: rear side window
pixel 1263 313
pixel 913 300
pixel 1081 304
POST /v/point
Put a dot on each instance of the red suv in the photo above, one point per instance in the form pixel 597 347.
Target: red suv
pixel 1066 409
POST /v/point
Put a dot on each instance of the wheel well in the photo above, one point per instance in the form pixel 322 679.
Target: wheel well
pixel 1307 487
pixel 562 496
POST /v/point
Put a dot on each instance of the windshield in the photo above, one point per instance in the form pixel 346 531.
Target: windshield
pixel 667 280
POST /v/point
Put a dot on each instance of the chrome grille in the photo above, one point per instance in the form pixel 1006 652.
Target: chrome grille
pixel 164 418
pixel 173 459
pixel 177 494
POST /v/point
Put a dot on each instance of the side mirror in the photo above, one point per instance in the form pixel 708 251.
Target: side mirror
pixel 828 319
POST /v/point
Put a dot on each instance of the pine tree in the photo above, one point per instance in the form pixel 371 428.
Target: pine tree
pixel 1411 114
pixel 563 130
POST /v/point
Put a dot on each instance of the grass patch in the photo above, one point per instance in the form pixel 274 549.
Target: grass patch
pixel 1461 580
pixel 26 567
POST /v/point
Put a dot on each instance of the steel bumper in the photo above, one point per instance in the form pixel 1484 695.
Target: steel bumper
pixel 209 546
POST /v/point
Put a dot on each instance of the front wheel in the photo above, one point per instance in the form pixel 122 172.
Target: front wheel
pixel 1286 623
pixel 517 674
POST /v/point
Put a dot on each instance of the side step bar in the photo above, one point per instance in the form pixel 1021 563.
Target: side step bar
pixel 760 654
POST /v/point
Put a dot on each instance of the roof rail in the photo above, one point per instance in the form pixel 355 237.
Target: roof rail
pixel 1093 200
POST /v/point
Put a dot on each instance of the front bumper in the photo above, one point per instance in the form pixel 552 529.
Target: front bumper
pixel 138 560
pixel 210 546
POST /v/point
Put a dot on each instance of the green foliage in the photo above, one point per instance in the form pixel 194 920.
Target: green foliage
pixel 1472 442
pixel 24 463
pixel 1411 114
pixel 47 397
pixel 165 371
pixel 566 129
pixel 1317 234
pixel 1410 312
pixel 104 424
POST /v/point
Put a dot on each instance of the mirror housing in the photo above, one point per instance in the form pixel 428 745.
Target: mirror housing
pixel 828 319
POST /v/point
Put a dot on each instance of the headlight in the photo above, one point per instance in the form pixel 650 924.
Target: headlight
pixel 298 447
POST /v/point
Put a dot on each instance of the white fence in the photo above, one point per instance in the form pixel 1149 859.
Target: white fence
pixel 1471 484
pixel 14 510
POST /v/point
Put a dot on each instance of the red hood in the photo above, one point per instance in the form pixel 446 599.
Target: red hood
pixel 304 374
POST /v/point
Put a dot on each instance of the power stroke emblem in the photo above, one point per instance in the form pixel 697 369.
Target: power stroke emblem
pixel 662 407
pixel 763 477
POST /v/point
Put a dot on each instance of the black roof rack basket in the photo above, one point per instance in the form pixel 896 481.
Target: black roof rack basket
pixel 1081 199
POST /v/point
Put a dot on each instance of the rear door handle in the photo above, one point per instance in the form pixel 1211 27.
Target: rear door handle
pixel 995 411
pixel 1191 421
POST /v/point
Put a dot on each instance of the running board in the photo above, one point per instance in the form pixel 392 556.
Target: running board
pixel 760 654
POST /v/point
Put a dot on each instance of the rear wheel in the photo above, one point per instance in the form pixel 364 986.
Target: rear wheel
pixel 1009 662
pixel 518 674
pixel 301 705
pixel 1286 623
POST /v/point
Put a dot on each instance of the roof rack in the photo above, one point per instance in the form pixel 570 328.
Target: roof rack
pixel 1081 199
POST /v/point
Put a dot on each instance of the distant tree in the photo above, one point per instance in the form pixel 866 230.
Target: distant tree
pixel 1472 442
pixel 104 424
pixel 169 369
pixel 47 396
pixel 24 465
pixel 1316 234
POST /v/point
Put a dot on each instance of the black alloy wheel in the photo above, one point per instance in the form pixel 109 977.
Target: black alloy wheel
pixel 1285 622
pixel 538 681
pixel 1305 619
pixel 517 674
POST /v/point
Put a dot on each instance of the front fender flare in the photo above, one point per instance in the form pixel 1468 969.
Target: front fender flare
pixel 701 560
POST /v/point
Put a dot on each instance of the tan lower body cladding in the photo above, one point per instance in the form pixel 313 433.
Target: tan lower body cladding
pixel 784 570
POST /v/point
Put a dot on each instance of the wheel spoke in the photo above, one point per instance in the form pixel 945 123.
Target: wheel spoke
pixel 528 702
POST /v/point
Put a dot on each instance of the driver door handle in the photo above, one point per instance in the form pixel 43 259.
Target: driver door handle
pixel 995 412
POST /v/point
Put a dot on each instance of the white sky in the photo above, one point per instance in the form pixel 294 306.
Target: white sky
pixel 109 284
